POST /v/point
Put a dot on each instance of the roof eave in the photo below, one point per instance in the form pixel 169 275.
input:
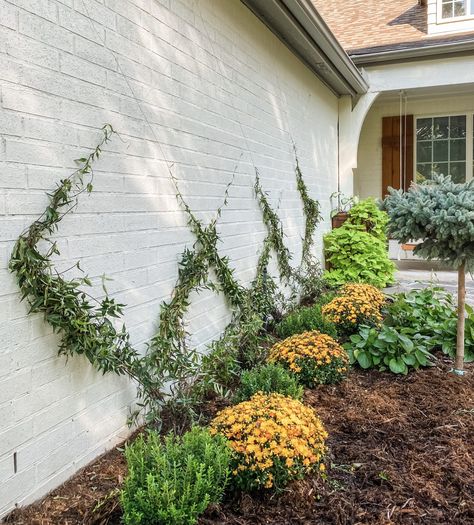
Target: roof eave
pixel 304 32
pixel 448 50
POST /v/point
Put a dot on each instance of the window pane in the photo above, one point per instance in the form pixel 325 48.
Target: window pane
pixel 472 7
pixel 457 125
pixel 441 127
pixel 423 172
pixel 440 150
pixel 458 150
pixel 423 128
pixel 423 151
pixel 458 171
pixel 447 11
pixel 440 168
pixel 459 9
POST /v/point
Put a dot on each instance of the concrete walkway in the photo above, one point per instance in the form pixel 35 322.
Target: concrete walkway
pixel 417 274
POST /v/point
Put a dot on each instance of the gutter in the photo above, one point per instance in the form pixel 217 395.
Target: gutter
pixel 428 52
pixel 300 27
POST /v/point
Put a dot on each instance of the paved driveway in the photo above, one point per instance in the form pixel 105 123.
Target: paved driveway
pixel 409 279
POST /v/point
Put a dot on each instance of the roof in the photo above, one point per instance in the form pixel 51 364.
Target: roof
pixel 374 26
pixel 301 28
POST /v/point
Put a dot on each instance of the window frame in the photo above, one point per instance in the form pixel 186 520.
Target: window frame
pixel 451 19
pixel 469 139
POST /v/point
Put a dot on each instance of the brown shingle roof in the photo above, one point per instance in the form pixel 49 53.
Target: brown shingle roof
pixel 365 26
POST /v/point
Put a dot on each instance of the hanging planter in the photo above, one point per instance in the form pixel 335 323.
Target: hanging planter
pixel 339 219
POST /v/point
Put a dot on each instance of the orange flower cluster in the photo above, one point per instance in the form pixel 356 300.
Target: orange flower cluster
pixel 364 292
pixel 358 304
pixel 315 357
pixel 275 439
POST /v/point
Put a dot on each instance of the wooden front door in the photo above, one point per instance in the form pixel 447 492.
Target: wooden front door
pixel 397 137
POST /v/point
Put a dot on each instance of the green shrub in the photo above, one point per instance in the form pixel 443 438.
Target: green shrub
pixel 173 482
pixel 357 256
pixel 305 319
pixel 388 348
pixel 268 379
pixel 367 214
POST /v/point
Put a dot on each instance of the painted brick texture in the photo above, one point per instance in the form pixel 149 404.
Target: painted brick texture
pixel 199 87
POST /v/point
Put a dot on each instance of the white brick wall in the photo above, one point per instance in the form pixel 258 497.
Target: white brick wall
pixel 221 94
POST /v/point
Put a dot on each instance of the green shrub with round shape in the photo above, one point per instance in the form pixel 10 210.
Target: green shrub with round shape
pixel 356 256
pixel 268 379
pixel 172 482
pixel 305 319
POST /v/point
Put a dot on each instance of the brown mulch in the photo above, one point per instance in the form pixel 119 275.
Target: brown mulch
pixel 401 452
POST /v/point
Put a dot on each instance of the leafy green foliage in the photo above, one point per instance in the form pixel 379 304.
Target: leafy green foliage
pixel 388 348
pixel 440 214
pixel 431 312
pixel 275 232
pixel 312 215
pixel 305 319
pixel 85 328
pixel 357 256
pixel 268 379
pixel 173 482
pixel 169 376
pixel 367 214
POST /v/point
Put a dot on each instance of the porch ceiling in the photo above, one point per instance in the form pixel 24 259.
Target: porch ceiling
pixel 428 92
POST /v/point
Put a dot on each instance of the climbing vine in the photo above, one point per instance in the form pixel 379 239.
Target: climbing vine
pixel 312 214
pixel 170 374
pixel 274 238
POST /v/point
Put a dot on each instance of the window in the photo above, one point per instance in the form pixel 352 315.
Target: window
pixel 456 8
pixel 441 148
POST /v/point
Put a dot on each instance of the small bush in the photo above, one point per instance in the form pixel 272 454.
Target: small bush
pixel 316 358
pixel 388 348
pixel 367 214
pixel 173 482
pixel 356 256
pixel 359 304
pixel 275 439
pixel 357 251
pixel 268 379
pixel 305 319
pixel 432 313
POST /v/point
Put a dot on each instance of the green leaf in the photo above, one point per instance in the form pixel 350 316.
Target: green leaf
pixel 364 360
pixel 397 366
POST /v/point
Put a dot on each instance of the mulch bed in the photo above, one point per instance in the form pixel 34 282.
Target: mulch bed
pixel 401 452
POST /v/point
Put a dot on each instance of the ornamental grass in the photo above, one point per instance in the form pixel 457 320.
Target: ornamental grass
pixel 358 304
pixel 314 357
pixel 275 440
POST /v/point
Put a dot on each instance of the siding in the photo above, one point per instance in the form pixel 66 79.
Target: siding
pixel 203 86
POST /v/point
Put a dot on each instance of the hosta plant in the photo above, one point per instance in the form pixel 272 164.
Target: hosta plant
pixel 389 348
pixel 275 439
pixel 314 357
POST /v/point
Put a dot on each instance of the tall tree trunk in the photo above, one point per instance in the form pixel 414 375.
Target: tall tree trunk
pixel 459 361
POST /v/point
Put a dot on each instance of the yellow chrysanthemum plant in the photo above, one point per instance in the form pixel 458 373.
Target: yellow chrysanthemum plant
pixel 275 439
pixel 357 304
pixel 314 357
